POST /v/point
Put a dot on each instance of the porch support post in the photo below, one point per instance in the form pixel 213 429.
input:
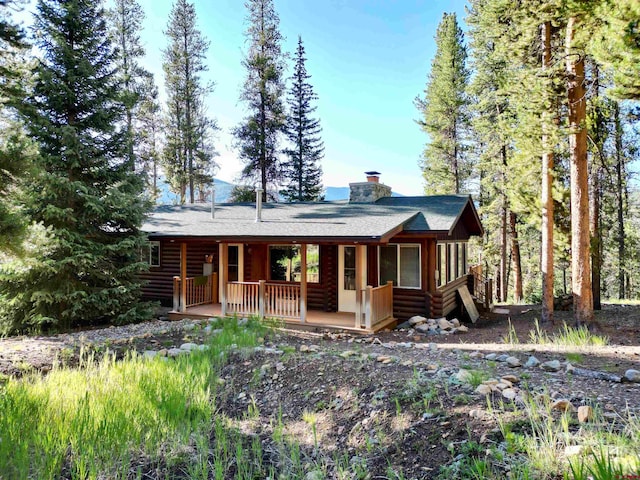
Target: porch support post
pixel 367 306
pixel 262 295
pixel 183 277
pixel 303 283
pixel 176 293
pixel 361 268
pixel 223 251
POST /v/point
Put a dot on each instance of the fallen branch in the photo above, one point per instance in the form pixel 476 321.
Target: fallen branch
pixel 583 372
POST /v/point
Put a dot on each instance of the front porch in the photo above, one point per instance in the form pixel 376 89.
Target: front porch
pixel 287 301
pixel 316 320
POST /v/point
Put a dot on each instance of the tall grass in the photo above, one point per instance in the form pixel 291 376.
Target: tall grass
pixel 567 337
pixel 90 422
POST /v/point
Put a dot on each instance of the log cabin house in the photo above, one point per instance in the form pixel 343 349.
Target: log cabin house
pixel 358 265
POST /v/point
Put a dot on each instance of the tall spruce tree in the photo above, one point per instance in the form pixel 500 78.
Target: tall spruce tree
pixel 15 148
pixel 444 164
pixel 150 141
pixel 302 171
pixel 184 63
pixel 258 136
pixel 85 199
pixel 126 22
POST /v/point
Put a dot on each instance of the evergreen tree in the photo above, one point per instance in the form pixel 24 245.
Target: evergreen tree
pixel 126 22
pixel 444 164
pixel 187 130
pixel 84 199
pixel 302 172
pixel 258 136
pixel 15 149
pixel 150 146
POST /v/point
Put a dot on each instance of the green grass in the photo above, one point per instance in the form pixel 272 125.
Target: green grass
pixel 567 337
pixel 92 420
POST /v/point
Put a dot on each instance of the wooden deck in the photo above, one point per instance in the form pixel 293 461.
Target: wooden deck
pixel 316 320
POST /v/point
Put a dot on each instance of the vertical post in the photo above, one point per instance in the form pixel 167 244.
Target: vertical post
pixel 303 283
pixel 390 288
pixel 176 294
pixel 431 265
pixel 361 268
pixel 262 294
pixel 367 306
pixel 183 277
pixel 214 287
pixel 223 251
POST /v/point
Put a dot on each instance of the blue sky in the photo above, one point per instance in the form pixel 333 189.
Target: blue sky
pixel 368 60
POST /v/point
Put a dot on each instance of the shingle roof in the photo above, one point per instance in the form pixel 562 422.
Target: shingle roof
pixel 308 221
pixel 437 212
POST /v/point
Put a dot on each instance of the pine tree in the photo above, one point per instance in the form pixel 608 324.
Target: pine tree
pixel 150 146
pixel 302 172
pixel 15 150
pixel 126 22
pixel 85 201
pixel 184 62
pixel 444 165
pixel 258 136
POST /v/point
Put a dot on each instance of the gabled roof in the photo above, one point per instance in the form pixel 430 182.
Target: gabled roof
pixel 438 212
pixel 318 221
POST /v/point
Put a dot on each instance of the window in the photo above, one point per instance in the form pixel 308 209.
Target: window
pixel 233 263
pixel 400 263
pixel 451 262
pixel 441 274
pixel 285 263
pixel 151 254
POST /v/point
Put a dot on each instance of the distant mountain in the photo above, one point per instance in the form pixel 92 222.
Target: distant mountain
pixel 167 197
pixel 223 192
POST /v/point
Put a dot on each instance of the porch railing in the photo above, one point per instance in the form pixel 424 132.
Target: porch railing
pixel 282 300
pixel 263 299
pixel 198 291
pixel 377 303
pixel 482 286
pixel 243 298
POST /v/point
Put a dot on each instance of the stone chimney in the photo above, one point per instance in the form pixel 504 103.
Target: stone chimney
pixel 369 191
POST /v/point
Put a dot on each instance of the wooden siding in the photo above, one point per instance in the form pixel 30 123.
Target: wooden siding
pixel 445 300
pixel 159 280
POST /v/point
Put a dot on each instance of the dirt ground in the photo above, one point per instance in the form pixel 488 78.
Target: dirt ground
pixel 389 400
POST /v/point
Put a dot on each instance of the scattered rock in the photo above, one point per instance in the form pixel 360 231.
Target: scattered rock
pixel 513 379
pixel 149 354
pixel 188 327
pixel 585 413
pixel 509 393
pixel 444 324
pixel 491 357
pixel 384 359
pixel 314 475
pixel 424 328
pixel 562 404
pixel 476 354
pixel 551 366
pixel 513 362
pixel 532 362
pixel 176 352
pixel 188 346
pixel 462 329
pixel 632 375
pixel 417 320
pixel 348 353
pixel 502 358
pixel 483 389
pixel 455 322
pixel 463 375
pixel 304 348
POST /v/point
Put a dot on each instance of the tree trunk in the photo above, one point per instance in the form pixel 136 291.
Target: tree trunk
pixel 503 230
pixel 580 241
pixel 620 207
pixel 515 258
pixel 547 195
pixel 596 237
